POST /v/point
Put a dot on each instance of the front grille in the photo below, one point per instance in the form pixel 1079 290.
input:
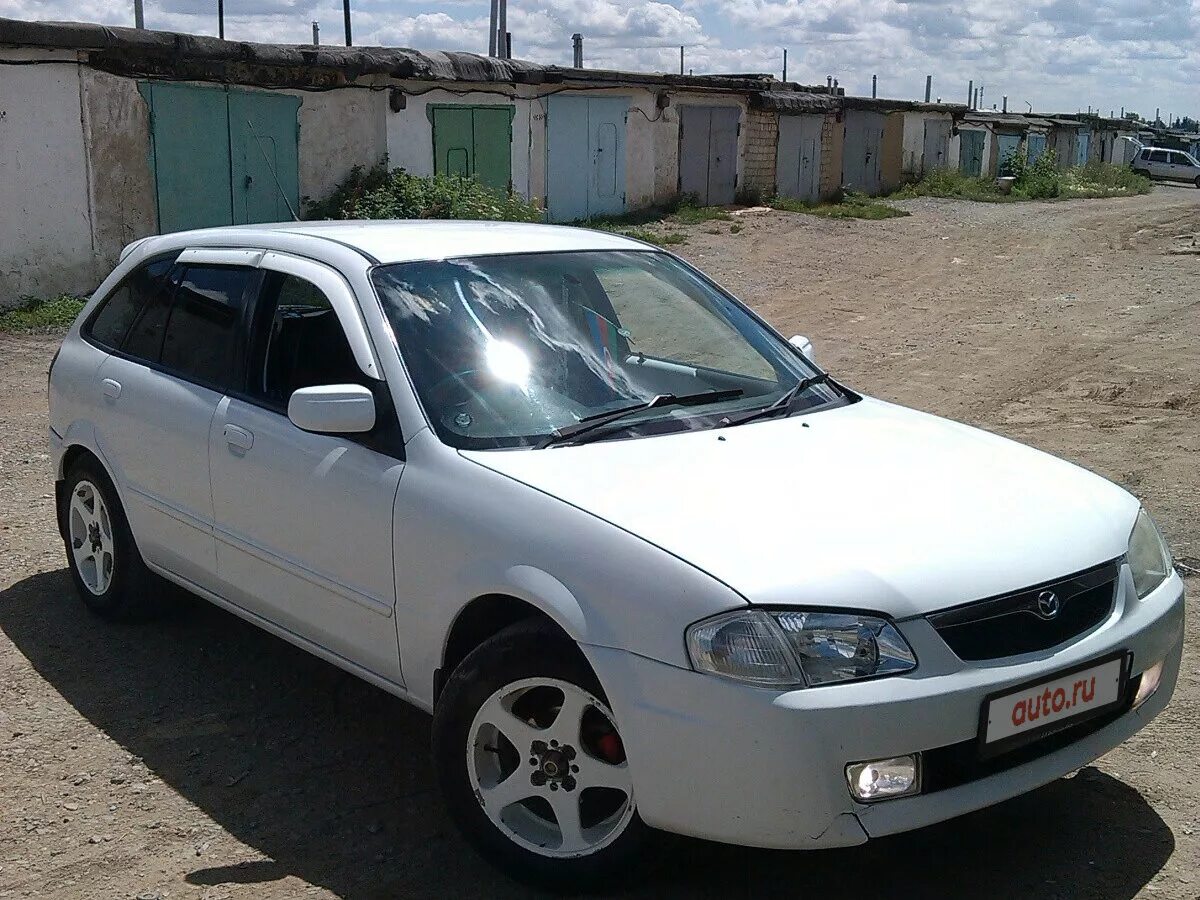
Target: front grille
pixel 957 764
pixel 1021 622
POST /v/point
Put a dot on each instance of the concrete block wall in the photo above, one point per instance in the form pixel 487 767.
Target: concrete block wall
pixel 762 139
pixel 833 140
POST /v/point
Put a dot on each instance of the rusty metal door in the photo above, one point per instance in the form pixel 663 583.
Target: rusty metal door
pixel 936 150
pixel 708 153
pixel 861 152
pixel 798 157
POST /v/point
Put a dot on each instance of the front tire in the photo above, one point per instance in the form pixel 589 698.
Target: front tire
pixel 108 571
pixel 531 764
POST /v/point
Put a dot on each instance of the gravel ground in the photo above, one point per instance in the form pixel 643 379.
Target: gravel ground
pixel 197 757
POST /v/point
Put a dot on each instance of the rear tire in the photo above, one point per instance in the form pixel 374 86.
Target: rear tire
pixel 105 564
pixel 1197 181
pixel 532 767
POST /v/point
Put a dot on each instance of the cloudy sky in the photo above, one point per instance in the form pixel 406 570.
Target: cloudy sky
pixel 1058 55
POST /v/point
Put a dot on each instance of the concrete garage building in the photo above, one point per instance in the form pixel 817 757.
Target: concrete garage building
pixel 109 134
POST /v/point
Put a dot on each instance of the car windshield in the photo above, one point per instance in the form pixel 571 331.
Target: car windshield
pixel 504 351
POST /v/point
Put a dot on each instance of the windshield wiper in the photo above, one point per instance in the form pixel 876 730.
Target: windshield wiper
pixel 785 401
pixel 590 424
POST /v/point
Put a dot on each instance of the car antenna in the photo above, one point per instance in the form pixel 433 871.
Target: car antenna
pixel 267 160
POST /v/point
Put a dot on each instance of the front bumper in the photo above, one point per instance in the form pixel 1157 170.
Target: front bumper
pixel 722 761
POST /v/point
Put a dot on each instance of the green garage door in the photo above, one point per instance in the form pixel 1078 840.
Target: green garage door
pixel 474 141
pixel 222 156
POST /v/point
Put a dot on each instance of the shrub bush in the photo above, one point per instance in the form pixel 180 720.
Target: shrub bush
pixel 377 193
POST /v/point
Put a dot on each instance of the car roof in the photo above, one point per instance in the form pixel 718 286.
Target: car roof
pixel 392 241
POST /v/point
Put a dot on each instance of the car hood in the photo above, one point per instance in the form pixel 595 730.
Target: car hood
pixel 867 506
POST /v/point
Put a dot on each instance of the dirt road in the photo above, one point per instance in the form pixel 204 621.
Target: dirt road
pixel 199 758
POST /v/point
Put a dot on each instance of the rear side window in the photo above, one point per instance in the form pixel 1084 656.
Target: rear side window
pixel 1145 154
pixel 203 330
pixel 120 309
pixel 301 343
pixel 1159 156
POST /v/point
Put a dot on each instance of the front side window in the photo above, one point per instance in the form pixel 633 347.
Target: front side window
pixel 301 343
pixel 202 332
pixel 120 309
pixel 506 350
pixel 1159 156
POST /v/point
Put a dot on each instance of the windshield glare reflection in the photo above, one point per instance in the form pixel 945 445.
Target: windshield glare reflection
pixel 505 350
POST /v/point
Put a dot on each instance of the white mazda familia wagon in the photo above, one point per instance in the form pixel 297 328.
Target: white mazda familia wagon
pixel 648 566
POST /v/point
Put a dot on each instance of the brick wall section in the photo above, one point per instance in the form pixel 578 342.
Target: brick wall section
pixel 762 136
pixel 833 139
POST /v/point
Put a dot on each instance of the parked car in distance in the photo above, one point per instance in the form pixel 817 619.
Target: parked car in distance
pixel 647 565
pixel 1168 165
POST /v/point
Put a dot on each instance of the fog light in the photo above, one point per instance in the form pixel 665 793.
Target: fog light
pixel 885 778
pixel 1151 679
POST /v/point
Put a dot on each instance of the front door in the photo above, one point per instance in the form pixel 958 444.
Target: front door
pixel 708 153
pixel 798 157
pixel 1035 146
pixel 303 521
pixel 264 155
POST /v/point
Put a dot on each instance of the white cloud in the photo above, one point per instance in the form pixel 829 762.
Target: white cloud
pixel 1058 54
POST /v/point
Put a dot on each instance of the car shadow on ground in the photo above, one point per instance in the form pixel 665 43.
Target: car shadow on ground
pixel 330 779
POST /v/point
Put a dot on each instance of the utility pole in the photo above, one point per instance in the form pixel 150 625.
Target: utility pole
pixel 316 33
pixel 139 18
pixel 492 28
pixel 346 16
pixel 874 84
pixel 221 19
pixel 928 87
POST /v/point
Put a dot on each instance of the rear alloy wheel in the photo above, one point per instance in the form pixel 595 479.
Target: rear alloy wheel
pixel 532 764
pixel 90 537
pixel 103 558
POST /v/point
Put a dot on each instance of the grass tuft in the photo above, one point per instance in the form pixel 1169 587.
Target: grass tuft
pixel 1041 180
pixel 694 215
pixel 45 316
pixel 852 206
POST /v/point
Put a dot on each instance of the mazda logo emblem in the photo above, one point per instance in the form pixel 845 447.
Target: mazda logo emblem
pixel 1048 604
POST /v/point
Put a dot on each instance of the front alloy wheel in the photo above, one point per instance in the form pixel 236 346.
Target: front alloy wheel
pixel 532 766
pixel 549 769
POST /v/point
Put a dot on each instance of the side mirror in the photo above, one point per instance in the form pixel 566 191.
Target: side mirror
pixel 333 409
pixel 803 344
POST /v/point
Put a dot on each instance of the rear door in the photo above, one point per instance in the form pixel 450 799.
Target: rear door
pixel 970 152
pixel 161 392
pixel 1160 163
pixel 304 521
pixel 606 125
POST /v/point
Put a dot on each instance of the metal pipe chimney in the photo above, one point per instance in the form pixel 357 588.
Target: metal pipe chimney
pixel 316 33
pixel 492 31
pixel 874 85
pixel 1004 103
pixel 928 87
pixel 979 102
pixel 681 59
pixel 346 18
pixel 971 94
pixel 502 30
pixel 577 50
pixel 785 63
pixel 139 16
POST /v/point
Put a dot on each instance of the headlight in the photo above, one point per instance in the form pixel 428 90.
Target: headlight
pixel 1148 555
pixel 788 648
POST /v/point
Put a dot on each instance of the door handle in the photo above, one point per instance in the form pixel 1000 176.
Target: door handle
pixel 238 437
pixel 111 388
